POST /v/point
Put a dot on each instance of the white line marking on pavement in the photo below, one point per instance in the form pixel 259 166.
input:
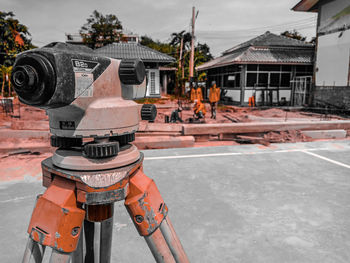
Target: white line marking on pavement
pixel 17 199
pixel 229 154
pixel 327 159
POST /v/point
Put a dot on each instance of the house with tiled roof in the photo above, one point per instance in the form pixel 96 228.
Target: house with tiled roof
pixel 332 64
pixel 264 67
pixel 158 76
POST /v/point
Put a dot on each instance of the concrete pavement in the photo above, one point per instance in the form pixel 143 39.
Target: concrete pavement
pixel 282 203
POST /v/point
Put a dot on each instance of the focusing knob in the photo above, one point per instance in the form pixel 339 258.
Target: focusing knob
pixel 66 142
pixel 101 150
pixel 132 72
pixel 148 112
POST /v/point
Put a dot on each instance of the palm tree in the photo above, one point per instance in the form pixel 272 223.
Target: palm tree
pixel 3 74
pixel 6 77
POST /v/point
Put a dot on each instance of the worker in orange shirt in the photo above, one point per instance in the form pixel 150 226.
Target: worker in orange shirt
pixel 251 101
pixel 196 93
pixel 214 97
pixel 199 110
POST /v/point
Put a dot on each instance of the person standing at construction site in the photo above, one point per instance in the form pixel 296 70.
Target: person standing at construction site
pixel 196 92
pixel 214 97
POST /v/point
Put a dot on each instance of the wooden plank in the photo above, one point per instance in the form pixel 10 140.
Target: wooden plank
pixel 194 129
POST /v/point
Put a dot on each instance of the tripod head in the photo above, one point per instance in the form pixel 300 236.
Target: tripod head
pixel 84 95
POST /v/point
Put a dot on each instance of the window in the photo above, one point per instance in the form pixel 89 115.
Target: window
pixel 252 67
pixel 251 79
pixel 263 79
pixel 269 67
pixel 285 79
pixel 238 80
pixel 274 79
pixel 152 83
pixel 286 68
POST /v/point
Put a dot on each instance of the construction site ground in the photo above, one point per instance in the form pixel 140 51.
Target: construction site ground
pixel 30 128
pixel 248 203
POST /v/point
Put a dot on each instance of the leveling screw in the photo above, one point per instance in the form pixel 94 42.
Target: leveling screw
pixel 139 218
pixel 75 231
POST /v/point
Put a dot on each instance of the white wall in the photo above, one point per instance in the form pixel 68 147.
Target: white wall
pixel 328 13
pixel 332 65
pixel 234 94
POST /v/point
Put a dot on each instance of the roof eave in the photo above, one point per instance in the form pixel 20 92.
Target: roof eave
pixel 306 6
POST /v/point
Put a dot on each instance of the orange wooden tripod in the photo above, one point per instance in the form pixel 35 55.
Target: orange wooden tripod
pixel 77 203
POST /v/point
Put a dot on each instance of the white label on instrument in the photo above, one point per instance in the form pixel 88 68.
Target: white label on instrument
pixel 84 86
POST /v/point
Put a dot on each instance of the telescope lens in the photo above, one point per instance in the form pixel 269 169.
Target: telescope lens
pixel 24 76
pixel 33 78
pixel 19 78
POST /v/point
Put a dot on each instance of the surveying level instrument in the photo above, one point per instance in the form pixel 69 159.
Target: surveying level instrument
pixel 93 120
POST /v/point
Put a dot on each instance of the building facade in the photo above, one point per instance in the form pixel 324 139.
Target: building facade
pixel 264 67
pixel 332 65
pixel 158 76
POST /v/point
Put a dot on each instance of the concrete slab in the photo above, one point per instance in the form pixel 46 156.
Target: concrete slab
pixel 162 142
pixel 251 203
pixel 253 127
pixel 326 134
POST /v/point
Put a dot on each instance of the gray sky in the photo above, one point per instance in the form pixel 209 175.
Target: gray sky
pixel 220 23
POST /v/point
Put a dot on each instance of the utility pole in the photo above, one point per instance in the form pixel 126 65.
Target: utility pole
pixel 192 43
pixel 180 60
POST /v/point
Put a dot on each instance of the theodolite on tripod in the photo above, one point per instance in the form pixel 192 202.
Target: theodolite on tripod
pixel 93 122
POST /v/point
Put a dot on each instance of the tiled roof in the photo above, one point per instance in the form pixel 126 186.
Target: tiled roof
pixel 133 50
pixel 265 49
pixel 253 55
pixel 269 40
pixel 277 55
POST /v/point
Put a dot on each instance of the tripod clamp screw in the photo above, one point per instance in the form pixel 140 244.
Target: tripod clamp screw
pixel 75 231
pixel 139 218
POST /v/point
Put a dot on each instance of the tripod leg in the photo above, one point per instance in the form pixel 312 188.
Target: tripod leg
pixel 98 229
pixel 148 212
pixel 89 231
pixel 60 257
pixel 106 240
pixel 173 241
pixel 57 219
pixel 33 251
pixel 78 254
pixel 159 247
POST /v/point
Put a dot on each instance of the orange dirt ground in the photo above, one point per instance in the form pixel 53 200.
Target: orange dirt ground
pixel 225 114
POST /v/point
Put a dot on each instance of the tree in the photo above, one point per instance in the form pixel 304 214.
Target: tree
pixel 14 38
pixel 176 39
pixel 157 45
pixel 172 48
pixel 100 30
pixel 293 34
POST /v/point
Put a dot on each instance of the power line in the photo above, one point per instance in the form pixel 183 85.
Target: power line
pixel 273 27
